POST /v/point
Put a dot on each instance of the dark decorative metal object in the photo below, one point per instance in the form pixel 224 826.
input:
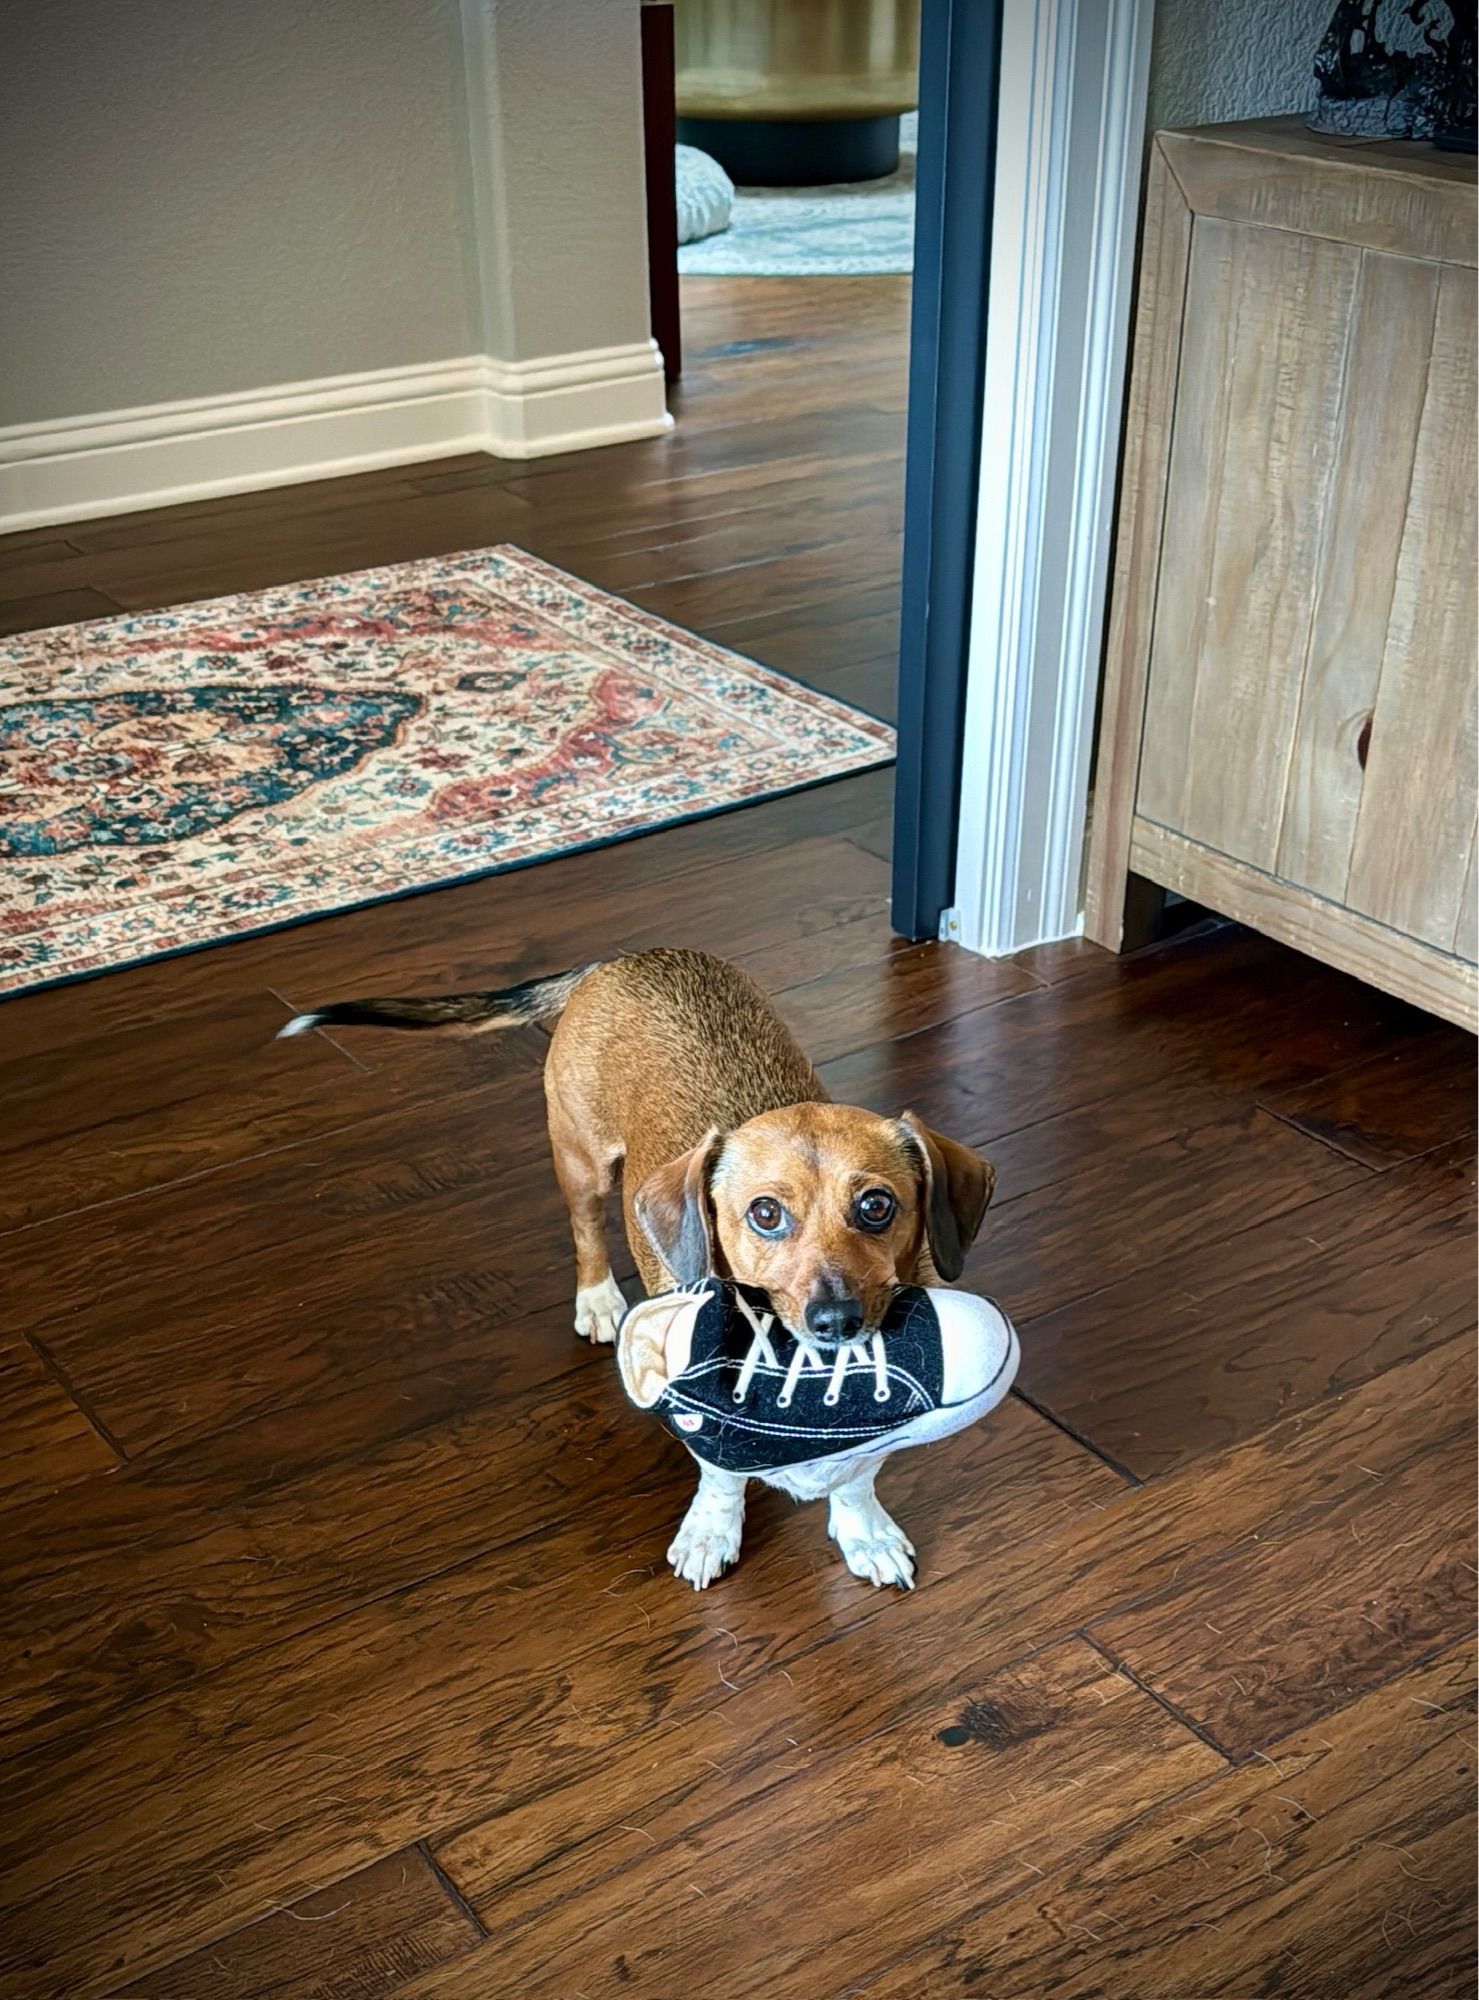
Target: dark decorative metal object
pixel 1367 90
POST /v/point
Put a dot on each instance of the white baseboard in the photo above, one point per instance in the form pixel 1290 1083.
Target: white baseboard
pixel 155 456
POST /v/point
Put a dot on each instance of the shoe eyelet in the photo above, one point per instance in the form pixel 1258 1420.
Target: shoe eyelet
pixel 882 1395
pixel 831 1401
pixel 737 1396
pixel 783 1402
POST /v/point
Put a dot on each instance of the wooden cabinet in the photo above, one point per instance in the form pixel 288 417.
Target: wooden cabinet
pixel 1289 725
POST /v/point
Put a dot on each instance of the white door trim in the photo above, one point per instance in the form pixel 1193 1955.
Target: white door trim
pixel 1070 146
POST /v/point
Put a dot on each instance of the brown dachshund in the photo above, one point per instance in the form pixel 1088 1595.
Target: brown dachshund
pixel 672 1069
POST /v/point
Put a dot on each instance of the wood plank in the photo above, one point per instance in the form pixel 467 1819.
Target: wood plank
pixel 284 543
pixel 1224 1010
pixel 46 1441
pixel 1258 397
pixel 1258 1644
pixel 171 1576
pixel 1345 1867
pixel 29 568
pixel 1392 1107
pixel 1410 855
pixel 849 1007
pixel 54 607
pixel 669 1911
pixel 1090 1213
pixel 99 1120
pixel 1391 336
pixel 313 1275
pixel 291 1767
pixel 243 1753
pixel 1277 174
pixel 359 1939
pixel 1150 405
pixel 1466 926
pixel 1166 1365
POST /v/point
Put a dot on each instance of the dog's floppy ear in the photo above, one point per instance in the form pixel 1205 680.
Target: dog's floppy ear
pixel 957 1187
pixel 672 1206
pixel 650 1350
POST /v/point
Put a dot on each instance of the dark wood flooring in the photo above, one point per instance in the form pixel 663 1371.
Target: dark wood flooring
pixel 340 1658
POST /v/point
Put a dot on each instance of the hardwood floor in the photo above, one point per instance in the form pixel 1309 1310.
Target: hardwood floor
pixel 340 1655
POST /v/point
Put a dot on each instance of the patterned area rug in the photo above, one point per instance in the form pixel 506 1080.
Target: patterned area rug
pixel 865 229
pixel 176 778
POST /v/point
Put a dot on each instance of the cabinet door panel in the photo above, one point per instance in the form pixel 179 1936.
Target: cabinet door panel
pixel 1258 404
pixel 1411 852
pixel 1391 338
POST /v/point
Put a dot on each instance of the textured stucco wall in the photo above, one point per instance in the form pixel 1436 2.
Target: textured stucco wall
pixel 1240 59
pixel 199 197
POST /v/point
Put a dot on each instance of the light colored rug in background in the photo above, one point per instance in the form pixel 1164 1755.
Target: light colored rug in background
pixel 176 778
pixel 864 229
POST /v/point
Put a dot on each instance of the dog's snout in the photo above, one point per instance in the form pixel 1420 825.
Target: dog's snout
pixel 834 1319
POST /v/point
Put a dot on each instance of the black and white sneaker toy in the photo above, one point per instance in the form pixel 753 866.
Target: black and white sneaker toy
pixel 744 1394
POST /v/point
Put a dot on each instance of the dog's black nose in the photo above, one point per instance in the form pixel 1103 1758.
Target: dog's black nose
pixel 834 1319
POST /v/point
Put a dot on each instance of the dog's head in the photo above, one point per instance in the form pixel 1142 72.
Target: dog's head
pixel 827 1208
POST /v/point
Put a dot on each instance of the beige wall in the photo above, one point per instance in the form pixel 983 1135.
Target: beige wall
pixel 555 178
pixel 207 196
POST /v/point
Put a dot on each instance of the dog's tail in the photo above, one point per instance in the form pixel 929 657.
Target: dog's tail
pixel 464 1013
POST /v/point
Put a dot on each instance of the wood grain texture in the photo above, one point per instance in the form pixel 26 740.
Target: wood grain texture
pixel 1341 1871
pixel 1466 926
pixel 1409 860
pixel 1150 408
pixel 1178 1360
pixel 165 1583
pixel 46 1442
pixel 1257 407
pixel 670 1912
pixel 360 1939
pixel 1256 1645
pixel 1390 343
pixel 1392 1107
pixel 1276 173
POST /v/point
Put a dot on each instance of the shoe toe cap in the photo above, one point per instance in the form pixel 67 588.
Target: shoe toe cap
pixel 978 1346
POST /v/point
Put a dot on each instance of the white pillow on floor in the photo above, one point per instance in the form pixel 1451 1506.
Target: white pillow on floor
pixel 705 195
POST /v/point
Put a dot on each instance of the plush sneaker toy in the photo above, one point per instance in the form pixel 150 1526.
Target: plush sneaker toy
pixel 750 1400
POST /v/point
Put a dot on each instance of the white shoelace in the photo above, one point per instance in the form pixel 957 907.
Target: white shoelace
pixel 851 1353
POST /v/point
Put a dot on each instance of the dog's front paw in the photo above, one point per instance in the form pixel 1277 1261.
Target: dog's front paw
pixel 873 1545
pixel 705 1547
pixel 598 1311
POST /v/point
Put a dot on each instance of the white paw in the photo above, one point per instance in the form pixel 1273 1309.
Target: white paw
pixel 598 1310
pixel 705 1547
pixel 873 1546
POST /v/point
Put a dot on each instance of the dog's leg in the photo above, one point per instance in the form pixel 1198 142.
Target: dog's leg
pixel 585 1182
pixel 709 1539
pixel 873 1544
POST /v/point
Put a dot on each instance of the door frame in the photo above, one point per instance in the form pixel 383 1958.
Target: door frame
pixel 1028 214
pixel 959 44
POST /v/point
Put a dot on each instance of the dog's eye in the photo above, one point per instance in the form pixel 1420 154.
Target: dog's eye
pixel 767 1217
pixel 876 1208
